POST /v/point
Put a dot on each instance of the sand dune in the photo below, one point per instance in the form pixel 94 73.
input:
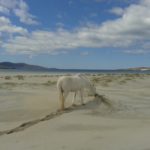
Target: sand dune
pixel 29 118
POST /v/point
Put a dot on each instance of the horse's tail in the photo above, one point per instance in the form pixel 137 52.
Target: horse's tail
pixel 61 96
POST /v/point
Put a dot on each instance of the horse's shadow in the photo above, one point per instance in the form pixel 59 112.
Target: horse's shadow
pixel 92 104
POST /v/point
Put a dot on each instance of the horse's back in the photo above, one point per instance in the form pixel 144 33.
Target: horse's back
pixel 70 82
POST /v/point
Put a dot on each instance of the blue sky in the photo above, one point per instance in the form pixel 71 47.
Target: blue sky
pixel 89 34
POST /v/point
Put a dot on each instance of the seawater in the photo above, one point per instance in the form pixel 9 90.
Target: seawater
pixel 62 72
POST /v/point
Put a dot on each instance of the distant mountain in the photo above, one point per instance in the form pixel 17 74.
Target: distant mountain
pixel 28 67
pixel 23 66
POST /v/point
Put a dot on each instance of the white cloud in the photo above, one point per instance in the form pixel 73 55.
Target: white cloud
pixel 19 8
pixel 60 24
pixel 4 21
pixel 13 29
pixel 4 10
pixel 8 4
pixel 117 10
pixel 23 13
pixel 117 1
pixel 84 53
pixel 93 15
pixel 7 27
pixel 130 30
pixel 136 51
pixel 7 30
pixel 41 42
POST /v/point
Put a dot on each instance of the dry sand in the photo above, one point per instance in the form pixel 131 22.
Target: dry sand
pixel 27 121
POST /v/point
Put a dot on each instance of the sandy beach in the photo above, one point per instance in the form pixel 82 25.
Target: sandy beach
pixel 29 119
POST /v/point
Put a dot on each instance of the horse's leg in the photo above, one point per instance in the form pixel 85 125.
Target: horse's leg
pixel 62 97
pixel 74 97
pixel 81 95
pixel 65 94
pixel 62 100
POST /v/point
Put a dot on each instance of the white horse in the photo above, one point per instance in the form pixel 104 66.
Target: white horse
pixel 76 83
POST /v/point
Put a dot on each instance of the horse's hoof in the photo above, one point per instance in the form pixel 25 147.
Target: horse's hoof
pixel 60 110
pixel 74 105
